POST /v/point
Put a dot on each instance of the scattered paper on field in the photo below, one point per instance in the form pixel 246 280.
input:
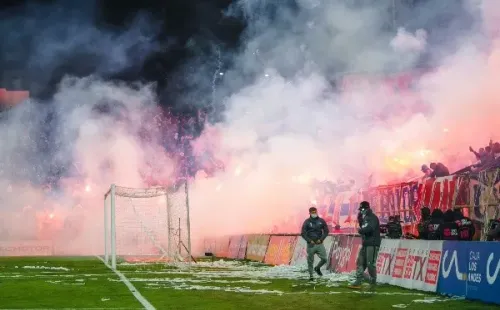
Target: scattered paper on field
pixel 46 268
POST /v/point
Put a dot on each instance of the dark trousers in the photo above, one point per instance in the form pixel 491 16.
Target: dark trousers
pixel 367 259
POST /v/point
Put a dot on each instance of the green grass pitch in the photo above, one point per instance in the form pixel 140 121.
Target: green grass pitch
pixel 86 283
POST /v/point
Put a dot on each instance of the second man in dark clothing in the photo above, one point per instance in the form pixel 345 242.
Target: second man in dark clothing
pixel 370 235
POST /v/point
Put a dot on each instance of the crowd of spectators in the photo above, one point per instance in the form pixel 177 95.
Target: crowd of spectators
pixel 448 225
pixel 487 157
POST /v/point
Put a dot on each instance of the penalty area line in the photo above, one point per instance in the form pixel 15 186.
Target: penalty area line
pixel 144 302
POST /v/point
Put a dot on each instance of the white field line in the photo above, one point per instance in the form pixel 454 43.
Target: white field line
pixel 144 302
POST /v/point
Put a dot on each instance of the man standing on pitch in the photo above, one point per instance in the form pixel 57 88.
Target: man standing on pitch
pixel 314 232
pixel 370 235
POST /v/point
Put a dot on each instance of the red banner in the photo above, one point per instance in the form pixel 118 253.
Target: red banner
pixel 443 193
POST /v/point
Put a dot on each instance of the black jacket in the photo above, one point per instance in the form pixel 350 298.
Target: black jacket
pixel 423 230
pixel 435 229
pixel 394 230
pixel 314 229
pixel 494 231
pixel 370 230
pixel 466 229
pixel 449 231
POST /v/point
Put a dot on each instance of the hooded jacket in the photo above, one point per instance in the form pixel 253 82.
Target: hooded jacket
pixel 449 229
pixel 494 231
pixel 466 228
pixel 425 213
pixel 435 226
pixel 314 229
pixel 370 229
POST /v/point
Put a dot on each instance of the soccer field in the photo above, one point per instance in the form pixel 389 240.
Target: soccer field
pixel 86 283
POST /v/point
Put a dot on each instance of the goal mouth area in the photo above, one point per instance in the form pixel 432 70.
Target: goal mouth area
pixel 147 225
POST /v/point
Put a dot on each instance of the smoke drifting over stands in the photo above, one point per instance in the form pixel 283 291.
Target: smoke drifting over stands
pixel 254 98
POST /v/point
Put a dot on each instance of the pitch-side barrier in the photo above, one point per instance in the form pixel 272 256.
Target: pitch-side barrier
pixel 455 268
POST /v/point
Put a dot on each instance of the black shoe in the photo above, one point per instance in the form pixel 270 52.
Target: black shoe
pixel 318 271
pixel 311 278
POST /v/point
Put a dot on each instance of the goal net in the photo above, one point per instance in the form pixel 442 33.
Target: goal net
pixel 146 225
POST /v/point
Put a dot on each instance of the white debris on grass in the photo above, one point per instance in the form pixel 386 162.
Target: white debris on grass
pixel 46 268
pixel 426 300
pixel 105 299
pixel 220 264
pixel 226 289
pixel 248 270
pixel 187 280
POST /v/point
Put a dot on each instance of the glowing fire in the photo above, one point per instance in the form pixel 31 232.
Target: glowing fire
pixel 51 215
pixel 302 178
pixel 237 172
pixel 88 188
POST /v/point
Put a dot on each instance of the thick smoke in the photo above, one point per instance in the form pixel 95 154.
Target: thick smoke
pixel 54 40
pixel 292 125
pixel 303 101
pixel 59 156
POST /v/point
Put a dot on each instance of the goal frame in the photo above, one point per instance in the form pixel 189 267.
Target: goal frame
pixel 110 221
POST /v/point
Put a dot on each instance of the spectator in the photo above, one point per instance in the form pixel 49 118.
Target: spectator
pixel 425 213
pixel 394 229
pixel 496 150
pixel 426 170
pixel 479 155
pixel 449 227
pixel 466 229
pixel 494 231
pixel 439 170
pixel 434 228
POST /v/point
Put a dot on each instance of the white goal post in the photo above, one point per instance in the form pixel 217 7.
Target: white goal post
pixel 148 224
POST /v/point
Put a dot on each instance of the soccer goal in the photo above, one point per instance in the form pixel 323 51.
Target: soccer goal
pixel 147 225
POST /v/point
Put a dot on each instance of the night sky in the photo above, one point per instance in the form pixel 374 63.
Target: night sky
pixel 185 31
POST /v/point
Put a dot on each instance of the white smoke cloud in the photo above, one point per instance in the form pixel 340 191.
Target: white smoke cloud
pixel 290 124
pixel 284 122
pixel 405 41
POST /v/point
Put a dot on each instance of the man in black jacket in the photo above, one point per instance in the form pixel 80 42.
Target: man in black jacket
pixel 422 226
pixel 367 257
pixel 394 229
pixel 466 228
pixel 449 228
pixel 435 225
pixel 314 232
pixel 494 230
